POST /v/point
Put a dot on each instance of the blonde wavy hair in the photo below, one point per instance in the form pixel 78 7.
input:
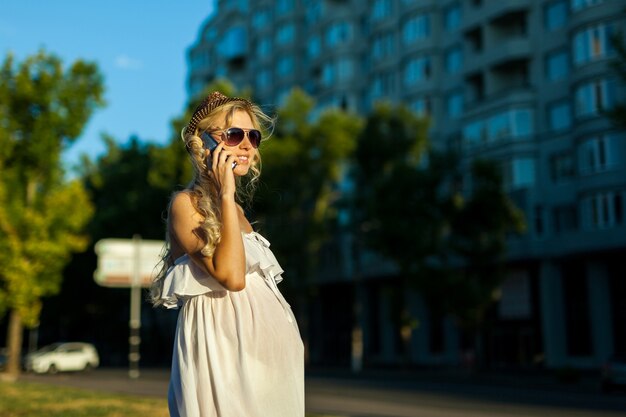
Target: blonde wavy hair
pixel 203 189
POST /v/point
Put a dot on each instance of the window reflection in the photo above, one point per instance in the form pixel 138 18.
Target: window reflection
pixel 510 124
pixel 555 15
pixel 592 43
pixel 416 28
pixel 594 96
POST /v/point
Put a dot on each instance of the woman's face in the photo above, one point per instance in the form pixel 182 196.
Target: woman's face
pixel 244 151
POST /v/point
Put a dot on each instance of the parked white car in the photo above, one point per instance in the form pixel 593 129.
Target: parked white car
pixel 59 357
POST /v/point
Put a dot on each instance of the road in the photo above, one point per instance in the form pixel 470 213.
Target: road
pixel 395 397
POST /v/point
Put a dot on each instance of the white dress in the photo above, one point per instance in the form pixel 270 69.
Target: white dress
pixel 236 354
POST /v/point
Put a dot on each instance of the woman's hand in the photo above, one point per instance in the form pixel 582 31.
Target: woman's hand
pixel 222 161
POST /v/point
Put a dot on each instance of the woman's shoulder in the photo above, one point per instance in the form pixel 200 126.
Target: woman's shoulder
pixel 183 201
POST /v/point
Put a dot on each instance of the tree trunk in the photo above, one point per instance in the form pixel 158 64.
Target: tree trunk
pixel 14 342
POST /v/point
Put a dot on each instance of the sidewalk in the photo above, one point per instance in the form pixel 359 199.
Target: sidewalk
pixel 154 382
pixel 423 392
pixel 587 382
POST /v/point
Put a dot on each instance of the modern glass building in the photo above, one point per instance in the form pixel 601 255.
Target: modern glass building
pixel 524 82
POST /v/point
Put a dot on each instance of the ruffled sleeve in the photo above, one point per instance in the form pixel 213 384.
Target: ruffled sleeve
pixel 261 259
pixel 186 279
pixel 259 256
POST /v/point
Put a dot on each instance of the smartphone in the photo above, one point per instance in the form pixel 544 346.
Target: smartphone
pixel 210 143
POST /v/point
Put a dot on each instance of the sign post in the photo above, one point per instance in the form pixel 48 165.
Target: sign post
pixel 130 264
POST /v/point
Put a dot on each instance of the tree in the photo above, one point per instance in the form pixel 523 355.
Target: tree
pixel 303 163
pixel 130 184
pixel 446 234
pixel 43 109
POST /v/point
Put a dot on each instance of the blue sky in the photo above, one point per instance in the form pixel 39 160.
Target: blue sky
pixel 139 46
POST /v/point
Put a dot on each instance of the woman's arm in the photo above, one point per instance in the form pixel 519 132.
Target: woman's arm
pixel 228 264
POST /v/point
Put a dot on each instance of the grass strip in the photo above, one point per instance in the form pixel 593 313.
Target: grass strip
pixel 28 399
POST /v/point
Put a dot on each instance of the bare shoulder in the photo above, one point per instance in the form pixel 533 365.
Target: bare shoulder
pixel 184 223
pixel 182 203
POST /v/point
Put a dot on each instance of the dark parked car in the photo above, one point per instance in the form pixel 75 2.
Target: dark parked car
pixel 614 373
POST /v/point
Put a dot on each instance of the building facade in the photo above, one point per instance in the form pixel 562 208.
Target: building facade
pixel 524 82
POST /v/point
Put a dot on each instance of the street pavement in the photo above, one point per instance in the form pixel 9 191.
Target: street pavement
pixel 400 394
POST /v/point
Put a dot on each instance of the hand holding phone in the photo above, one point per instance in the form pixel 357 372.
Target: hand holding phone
pixel 210 143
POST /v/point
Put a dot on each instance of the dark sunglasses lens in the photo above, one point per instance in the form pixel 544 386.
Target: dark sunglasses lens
pixel 234 136
pixel 255 137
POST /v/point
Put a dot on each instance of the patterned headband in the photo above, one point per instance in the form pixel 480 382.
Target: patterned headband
pixel 210 103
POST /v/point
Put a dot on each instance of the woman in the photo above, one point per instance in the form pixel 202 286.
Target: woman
pixel 237 350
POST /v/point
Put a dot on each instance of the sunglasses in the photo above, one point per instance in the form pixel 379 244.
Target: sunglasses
pixel 235 135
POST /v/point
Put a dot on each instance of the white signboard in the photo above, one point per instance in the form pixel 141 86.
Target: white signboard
pixel 118 258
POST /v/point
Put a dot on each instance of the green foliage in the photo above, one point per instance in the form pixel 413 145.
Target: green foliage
pixel 412 205
pixel 390 205
pixel 122 185
pixel 303 163
pixel 44 108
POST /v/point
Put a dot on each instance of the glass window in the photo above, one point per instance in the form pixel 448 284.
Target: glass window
pixel 499 127
pixel 282 94
pixel 263 79
pixel 454 60
pixel 241 5
pixel 565 218
pixel 507 125
pixel 383 45
pixel 594 96
pixel 522 120
pixel 284 6
pixel 555 14
pixel 285 34
pixel 200 59
pixel 314 46
pixel 562 166
pixel 328 74
pixel 381 9
pixel 603 210
pixel 285 66
pixel 583 4
pixel 234 42
pixel 539 217
pixel 519 173
pixel 522 172
pixel 592 43
pixel 421 106
pixel 210 35
pixel 560 115
pixel 475 133
pixel 597 154
pixel 452 17
pixel 264 46
pixel 454 104
pixel 557 65
pixel 383 84
pixel 261 18
pixel 416 70
pixel 338 33
pixel 313 11
pixel 345 69
pixel 416 28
